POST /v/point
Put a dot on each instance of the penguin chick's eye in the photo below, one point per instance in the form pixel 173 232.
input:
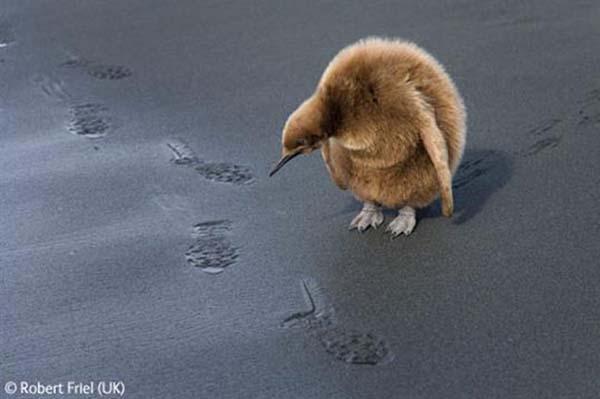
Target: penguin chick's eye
pixel 310 141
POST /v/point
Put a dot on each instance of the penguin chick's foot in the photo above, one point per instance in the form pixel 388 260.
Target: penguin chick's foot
pixel 369 216
pixel 403 223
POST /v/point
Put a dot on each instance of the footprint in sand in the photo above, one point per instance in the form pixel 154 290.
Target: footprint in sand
pixel 109 72
pixel 99 70
pixel 222 172
pixel 319 322
pixel 212 251
pixel 89 120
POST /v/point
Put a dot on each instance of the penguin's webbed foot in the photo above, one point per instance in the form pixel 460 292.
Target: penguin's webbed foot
pixel 369 216
pixel 404 223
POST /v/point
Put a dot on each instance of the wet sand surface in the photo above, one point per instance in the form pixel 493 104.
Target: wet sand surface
pixel 142 242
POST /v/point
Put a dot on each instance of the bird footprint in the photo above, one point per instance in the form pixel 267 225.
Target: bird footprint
pixel 542 134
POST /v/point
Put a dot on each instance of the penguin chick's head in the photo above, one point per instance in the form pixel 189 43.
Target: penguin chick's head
pixel 302 134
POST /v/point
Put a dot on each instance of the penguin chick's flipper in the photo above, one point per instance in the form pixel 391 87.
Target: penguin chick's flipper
pixel 369 216
pixel 437 149
pixel 404 223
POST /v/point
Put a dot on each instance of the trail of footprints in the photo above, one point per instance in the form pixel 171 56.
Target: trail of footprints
pixel 319 322
pixel 543 136
pixel 212 250
pixel 90 120
pixel 87 119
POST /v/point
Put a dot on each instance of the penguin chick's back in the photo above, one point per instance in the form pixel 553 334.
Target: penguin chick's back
pixel 379 94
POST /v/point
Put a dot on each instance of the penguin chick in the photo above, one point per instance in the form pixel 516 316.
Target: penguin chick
pixel 391 127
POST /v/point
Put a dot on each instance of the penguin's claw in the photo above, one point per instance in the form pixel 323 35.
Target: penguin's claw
pixel 404 223
pixel 368 217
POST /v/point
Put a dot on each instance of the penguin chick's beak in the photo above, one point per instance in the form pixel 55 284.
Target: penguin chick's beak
pixel 285 159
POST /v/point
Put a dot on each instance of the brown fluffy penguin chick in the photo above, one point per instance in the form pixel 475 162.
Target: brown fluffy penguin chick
pixel 391 127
